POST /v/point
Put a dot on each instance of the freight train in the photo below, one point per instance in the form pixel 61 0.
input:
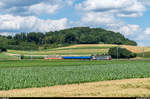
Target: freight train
pixel 92 57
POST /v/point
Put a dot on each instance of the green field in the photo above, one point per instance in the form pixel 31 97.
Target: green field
pixel 4 56
pixel 40 73
pixel 146 55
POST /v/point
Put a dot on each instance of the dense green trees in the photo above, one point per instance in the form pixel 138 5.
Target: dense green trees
pixel 86 35
pixel 78 35
pixel 121 53
pixel 3 42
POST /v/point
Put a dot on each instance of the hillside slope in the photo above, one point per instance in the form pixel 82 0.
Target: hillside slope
pixel 78 35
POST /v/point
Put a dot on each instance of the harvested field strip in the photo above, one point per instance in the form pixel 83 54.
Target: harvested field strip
pixel 90 45
pixel 136 49
pixel 114 88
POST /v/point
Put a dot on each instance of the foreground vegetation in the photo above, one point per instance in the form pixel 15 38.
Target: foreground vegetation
pixel 114 88
pixel 40 73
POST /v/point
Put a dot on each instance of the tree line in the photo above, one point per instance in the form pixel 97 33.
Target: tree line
pixel 76 35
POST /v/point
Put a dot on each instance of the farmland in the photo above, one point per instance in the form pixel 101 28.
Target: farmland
pixel 81 49
pixel 65 51
pixel 42 73
pixel 19 74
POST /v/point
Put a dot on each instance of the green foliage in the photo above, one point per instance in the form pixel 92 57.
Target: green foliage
pixel 40 73
pixel 3 50
pixel 146 54
pixel 122 53
pixel 3 42
pixel 32 57
pixel 21 56
pixel 24 46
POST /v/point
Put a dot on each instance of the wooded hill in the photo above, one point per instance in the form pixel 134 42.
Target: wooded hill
pixel 77 35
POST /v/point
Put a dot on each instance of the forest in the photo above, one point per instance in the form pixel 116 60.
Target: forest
pixel 54 39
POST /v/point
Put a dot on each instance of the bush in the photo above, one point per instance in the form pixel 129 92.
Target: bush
pixel 31 57
pixel 22 56
pixel 122 53
pixel 3 50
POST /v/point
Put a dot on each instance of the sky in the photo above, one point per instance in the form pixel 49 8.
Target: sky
pixel 129 17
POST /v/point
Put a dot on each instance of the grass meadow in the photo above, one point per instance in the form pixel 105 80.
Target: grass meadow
pixel 4 56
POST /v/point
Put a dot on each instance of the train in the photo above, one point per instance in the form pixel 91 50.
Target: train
pixel 92 57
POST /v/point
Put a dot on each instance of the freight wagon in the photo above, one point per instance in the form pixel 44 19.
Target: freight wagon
pixel 101 57
pixel 76 57
pixel 53 57
pixel 92 57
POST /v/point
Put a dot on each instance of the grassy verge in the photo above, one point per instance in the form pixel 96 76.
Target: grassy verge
pixel 4 56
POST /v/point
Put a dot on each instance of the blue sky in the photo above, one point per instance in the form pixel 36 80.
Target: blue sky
pixel 129 17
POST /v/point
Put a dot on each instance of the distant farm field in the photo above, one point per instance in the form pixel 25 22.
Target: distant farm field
pixel 61 52
pixel 81 49
pixel 86 49
pixel 42 73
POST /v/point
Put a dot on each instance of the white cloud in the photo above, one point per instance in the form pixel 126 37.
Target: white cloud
pixel 130 29
pixel 122 8
pixel 70 2
pixel 135 6
pixel 102 5
pixel 107 13
pixel 1 4
pixel 142 39
pixel 11 23
pixel 32 7
pixel 145 2
pixel 147 31
pixel 110 22
pixel 98 18
pixel 129 15
pixel 40 8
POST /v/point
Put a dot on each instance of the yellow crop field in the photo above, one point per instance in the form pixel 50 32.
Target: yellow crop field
pixel 89 45
pixel 136 49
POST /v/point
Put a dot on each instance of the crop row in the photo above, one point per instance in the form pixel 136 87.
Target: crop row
pixel 27 77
